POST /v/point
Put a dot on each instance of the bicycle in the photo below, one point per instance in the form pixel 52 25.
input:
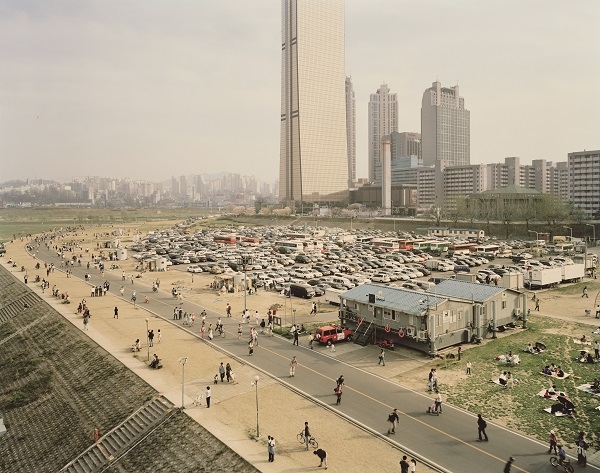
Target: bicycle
pixel 311 441
pixel 221 330
pixel 566 464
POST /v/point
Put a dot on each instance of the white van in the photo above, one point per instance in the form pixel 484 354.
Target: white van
pixel 342 281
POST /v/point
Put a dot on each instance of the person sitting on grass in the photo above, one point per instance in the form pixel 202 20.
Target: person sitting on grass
pixel 560 373
pixel 547 371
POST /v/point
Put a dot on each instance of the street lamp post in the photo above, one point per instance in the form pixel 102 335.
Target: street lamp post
pixel 147 340
pixel 183 361
pixel 594 229
pixel 256 378
pixel 246 260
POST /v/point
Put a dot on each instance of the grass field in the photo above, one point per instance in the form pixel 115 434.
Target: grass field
pixel 520 407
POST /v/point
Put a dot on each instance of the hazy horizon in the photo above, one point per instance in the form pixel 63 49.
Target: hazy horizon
pixel 147 90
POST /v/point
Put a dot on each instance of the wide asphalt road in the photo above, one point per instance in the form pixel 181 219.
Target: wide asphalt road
pixel 448 440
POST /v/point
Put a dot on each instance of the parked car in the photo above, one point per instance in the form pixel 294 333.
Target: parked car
pixel 335 333
pixel 194 269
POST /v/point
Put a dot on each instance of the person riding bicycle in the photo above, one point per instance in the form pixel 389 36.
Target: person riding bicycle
pixel 562 455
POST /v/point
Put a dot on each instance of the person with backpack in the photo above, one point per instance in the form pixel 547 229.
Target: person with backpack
pixel 481 426
pixel 392 420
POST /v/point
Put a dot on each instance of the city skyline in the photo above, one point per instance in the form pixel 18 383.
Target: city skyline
pixel 149 90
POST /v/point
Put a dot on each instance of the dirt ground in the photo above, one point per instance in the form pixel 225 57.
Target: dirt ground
pixel 235 422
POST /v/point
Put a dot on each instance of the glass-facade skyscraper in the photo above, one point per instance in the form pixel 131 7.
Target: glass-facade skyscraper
pixel 313 156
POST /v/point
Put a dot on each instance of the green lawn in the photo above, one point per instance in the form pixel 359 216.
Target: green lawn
pixel 520 408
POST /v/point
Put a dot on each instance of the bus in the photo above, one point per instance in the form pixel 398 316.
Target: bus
pixel 494 249
pixel 410 244
pixel 564 248
pixel 439 246
pixel 224 239
pixel 388 244
pixel 293 245
pixel 424 245
pixel 462 249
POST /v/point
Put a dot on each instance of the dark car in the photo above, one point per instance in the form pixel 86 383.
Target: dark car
pixel 305 291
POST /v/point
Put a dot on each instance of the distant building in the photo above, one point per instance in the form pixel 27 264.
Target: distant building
pixel 313 157
pixel 445 127
pixel 584 181
pixel 351 131
pixel 405 144
pixel 383 120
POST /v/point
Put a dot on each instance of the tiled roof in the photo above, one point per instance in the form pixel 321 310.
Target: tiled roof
pixel 395 298
pixel 466 290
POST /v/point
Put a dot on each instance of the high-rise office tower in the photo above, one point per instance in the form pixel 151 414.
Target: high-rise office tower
pixel 445 127
pixel 351 131
pixel 383 120
pixel 313 157
pixel 405 144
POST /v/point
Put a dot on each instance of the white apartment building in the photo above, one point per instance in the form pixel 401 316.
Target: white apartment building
pixel 313 139
pixel 383 120
pixel 445 127
pixel 584 181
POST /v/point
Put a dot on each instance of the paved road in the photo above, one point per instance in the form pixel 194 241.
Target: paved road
pixel 448 440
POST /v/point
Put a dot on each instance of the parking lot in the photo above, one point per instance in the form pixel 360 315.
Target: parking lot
pixel 311 262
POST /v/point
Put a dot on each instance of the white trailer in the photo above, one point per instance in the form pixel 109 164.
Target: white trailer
pixel 333 295
pixel 543 277
pixel 572 272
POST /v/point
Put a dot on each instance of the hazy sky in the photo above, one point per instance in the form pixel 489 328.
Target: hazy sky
pixel 152 88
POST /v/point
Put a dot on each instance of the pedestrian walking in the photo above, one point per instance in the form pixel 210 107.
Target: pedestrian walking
pixel 159 336
pixel 459 352
pixel 239 331
pixel 122 274
pixel 228 372
pixel 228 310
pixel 553 443
pixel 296 335
pixel 207 395
pixel 306 434
pixel 338 393
pixel 116 315
pixel 331 346
pixel 537 304
pixel 151 338
pixel 392 420
pixel 271 448
pixel 598 311
pixel 310 341
pixel 412 466
pixel 262 326
pixel 86 321
pixel 210 333
pixel 222 372
pixel 293 365
pixel 585 292
pixel 438 403
pixel 202 331
pixel 508 466
pixel 131 277
pixel 469 367
pixel 250 348
pixel 322 454
pixel 133 298
pixel 404 464
pixel 122 291
pixel 381 358
pixel 481 426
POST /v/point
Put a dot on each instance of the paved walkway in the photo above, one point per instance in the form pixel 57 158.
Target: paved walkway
pixel 368 398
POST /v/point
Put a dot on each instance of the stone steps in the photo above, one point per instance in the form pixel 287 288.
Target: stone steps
pixel 129 432
pixel 17 307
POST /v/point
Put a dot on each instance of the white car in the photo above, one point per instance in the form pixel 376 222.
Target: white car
pixel 381 277
pixel 194 269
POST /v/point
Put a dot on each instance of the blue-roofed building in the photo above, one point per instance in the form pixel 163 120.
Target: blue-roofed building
pixel 448 314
